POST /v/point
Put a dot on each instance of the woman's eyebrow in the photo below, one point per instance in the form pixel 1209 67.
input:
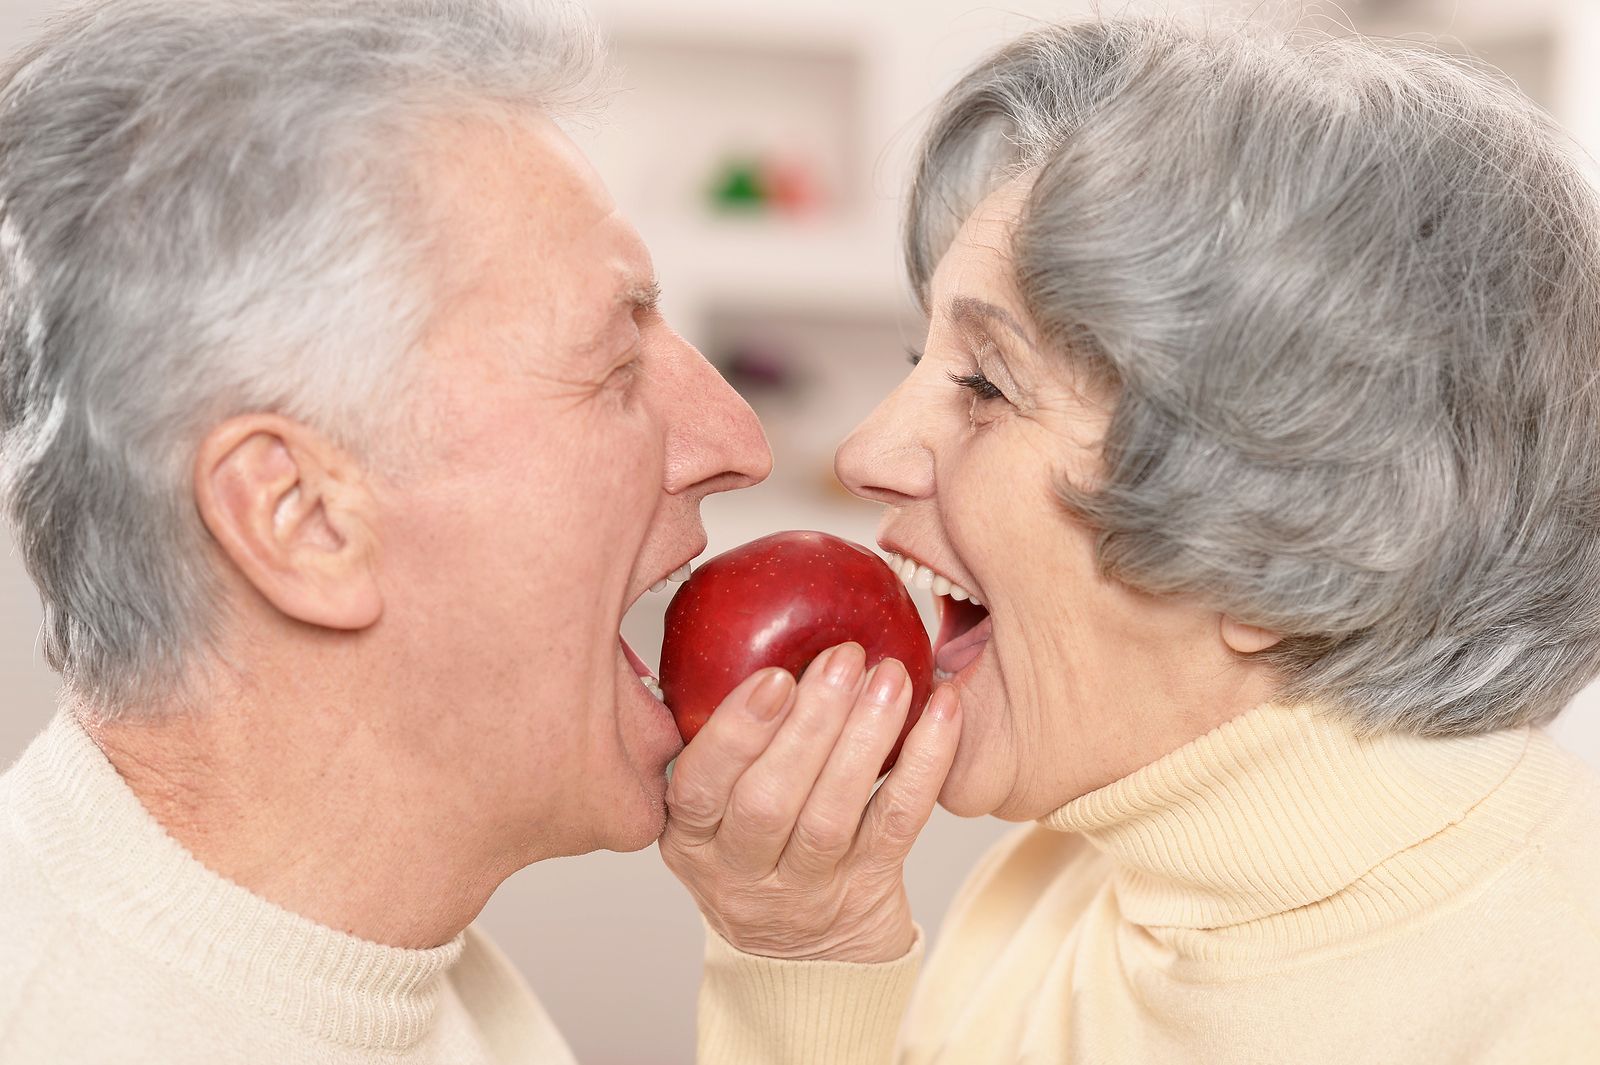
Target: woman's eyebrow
pixel 970 310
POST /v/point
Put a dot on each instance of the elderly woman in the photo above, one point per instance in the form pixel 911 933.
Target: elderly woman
pixel 1258 410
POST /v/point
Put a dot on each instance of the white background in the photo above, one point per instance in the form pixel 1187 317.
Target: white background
pixel 610 942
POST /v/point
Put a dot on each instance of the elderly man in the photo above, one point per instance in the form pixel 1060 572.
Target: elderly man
pixel 341 429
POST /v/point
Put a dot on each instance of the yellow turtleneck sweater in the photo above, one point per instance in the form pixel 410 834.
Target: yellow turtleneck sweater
pixel 1278 891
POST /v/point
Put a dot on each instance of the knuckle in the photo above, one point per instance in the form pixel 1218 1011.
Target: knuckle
pixel 757 806
pixel 899 823
pixel 674 857
pixel 824 701
pixel 679 846
pixel 688 801
pixel 821 835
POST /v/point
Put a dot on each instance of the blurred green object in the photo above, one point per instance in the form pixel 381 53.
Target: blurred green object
pixel 739 187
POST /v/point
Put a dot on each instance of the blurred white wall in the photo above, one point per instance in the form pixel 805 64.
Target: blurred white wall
pixel 611 942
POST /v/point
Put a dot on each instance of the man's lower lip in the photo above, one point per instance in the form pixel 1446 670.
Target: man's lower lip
pixel 634 660
pixel 669 723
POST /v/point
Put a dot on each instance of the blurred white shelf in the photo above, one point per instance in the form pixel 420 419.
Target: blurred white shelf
pixel 1527 53
pixel 794 101
pixel 849 266
pixel 1468 19
pixel 817 25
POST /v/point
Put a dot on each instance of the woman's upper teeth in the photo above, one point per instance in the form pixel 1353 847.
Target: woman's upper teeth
pixel 918 575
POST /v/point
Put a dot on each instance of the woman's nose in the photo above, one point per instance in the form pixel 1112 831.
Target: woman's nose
pixel 885 459
pixel 715 443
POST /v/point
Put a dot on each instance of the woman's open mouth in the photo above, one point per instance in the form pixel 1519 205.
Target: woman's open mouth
pixel 964 624
pixel 964 629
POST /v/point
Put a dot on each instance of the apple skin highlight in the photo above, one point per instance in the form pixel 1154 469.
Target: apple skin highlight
pixel 781 601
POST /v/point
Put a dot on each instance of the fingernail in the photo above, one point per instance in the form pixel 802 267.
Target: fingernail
pixel 942 707
pixel 888 677
pixel 770 695
pixel 844 664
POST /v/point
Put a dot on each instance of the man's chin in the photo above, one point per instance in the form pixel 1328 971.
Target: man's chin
pixel 641 829
pixel 636 821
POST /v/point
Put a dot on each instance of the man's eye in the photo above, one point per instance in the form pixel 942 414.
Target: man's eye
pixel 977 384
pixel 914 355
pixel 625 373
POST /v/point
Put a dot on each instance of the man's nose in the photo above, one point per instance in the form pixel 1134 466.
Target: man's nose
pixel 885 459
pixel 716 443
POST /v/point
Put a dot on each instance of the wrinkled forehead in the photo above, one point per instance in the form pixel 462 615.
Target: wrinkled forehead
pixel 980 261
pixel 511 192
pixel 522 234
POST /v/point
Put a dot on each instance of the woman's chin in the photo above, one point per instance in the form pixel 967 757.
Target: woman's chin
pixel 974 787
pixel 983 774
pixel 960 802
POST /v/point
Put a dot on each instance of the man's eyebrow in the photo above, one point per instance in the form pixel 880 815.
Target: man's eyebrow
pixel 634 297
pixel 970 310
pixel 642 296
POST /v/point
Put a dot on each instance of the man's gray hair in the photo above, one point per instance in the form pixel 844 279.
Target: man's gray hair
pixel 1347 296
pixel 205 210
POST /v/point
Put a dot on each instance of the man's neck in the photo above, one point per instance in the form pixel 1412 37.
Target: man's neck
pixel 309 811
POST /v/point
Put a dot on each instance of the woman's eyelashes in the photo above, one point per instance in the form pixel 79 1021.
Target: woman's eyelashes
pixel 979 385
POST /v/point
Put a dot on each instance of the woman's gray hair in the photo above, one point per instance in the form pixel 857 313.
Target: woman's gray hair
pixel 205 209
pixel 1347 296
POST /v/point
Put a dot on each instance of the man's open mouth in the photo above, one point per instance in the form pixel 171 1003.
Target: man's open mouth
pixel 647 676
pixel 964 625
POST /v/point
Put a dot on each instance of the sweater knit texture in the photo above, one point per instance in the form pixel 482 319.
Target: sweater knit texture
pixel 117 945
pixel 1279 891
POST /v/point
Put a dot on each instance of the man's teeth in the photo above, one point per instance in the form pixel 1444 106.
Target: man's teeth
pixel 653 686
pixel 677 576
pixel 919 576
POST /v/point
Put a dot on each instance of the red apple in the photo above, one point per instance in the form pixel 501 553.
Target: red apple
pixel 781 601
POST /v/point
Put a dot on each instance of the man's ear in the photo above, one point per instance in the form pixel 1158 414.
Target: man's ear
pixel 1246 639
pixel 294 514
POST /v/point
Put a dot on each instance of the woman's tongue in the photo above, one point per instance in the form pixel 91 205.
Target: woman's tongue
pixel 960 652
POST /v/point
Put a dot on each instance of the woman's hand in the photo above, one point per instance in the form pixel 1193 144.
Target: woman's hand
pixel 772 821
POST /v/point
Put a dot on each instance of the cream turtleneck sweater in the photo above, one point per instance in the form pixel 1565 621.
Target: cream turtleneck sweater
pixel 1278 891
pixel 116 945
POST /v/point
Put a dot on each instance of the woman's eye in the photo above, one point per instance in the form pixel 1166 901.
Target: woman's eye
pixel 979 385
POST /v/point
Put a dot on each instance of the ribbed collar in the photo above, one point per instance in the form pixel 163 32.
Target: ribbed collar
pixel 1285 807
pixel 109 859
